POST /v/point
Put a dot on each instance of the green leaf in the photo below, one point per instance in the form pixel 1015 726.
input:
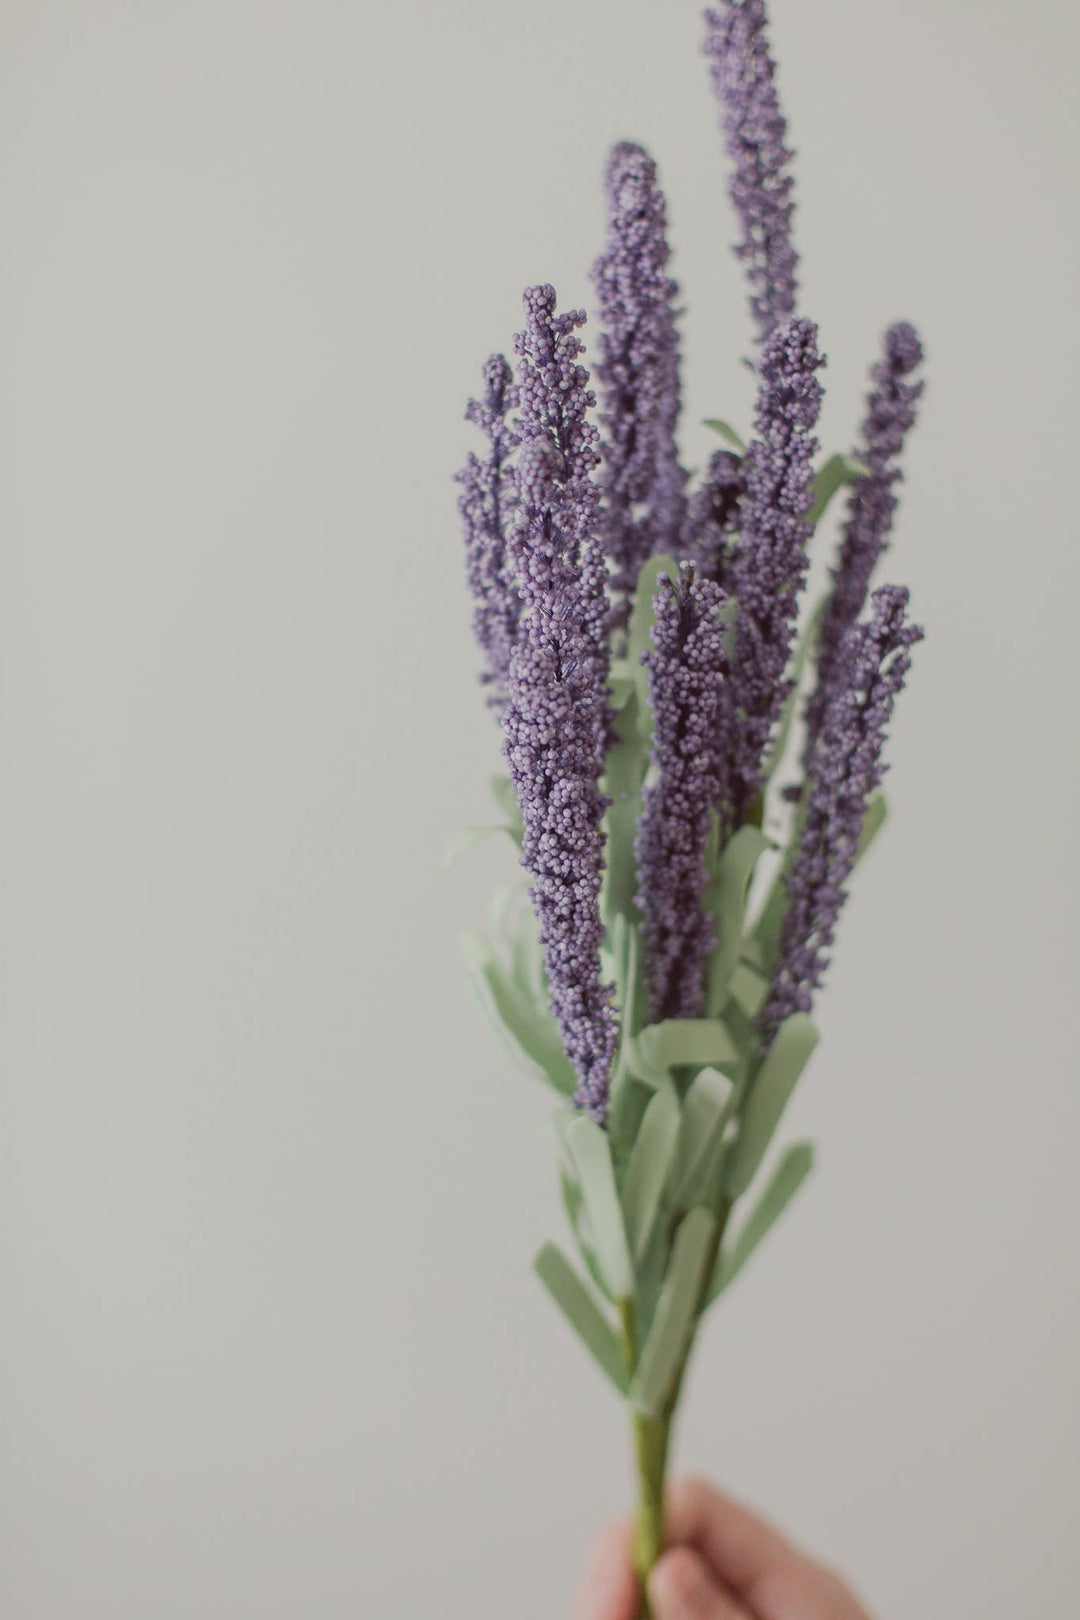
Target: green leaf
pixel 837 471
pixel 590 1153
pixel 647 1170
pixel 574 1204
pixel 873 821
pixel 528 1032
pixel 767 1098
pixel 624 770
pixel 785 1182
pixel 672 1326
pixel 467 839
pixel 725 898
pixel 664 1046
pixel 748 988
pixel 726 432
pixel 704 1114
pixel 582 1312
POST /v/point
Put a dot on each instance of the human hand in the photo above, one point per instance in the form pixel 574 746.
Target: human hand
pixel 721 1563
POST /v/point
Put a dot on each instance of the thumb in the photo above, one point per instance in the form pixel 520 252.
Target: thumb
pixel 682 1587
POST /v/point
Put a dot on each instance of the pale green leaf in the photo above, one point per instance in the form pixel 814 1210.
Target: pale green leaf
pixel 767 1098
pixel 582 1312
pixel 647 1171
pixel 836 472
pixel 502 791
pixel 468 838
pixel 726 432
pixel 590 1153
pixel 748 988
pixel 673 1324
pixel 574 1204
pixel 676 1041
pixel 784 1183
pixel 528 1032
pixel 725 898
pixel 705 1110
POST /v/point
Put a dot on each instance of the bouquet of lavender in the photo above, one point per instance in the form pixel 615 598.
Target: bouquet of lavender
pixel 645 658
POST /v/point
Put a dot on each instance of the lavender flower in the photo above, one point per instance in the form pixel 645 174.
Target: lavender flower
pixel 871 504
pixel 556 718
pixel 711 517
pixel 768 568
pixel 743 76
pixel 685 668
pixel 845 768
pixel 486 506
pixel 638 369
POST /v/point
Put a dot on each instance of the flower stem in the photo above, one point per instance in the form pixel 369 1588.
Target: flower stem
pixel 651 1435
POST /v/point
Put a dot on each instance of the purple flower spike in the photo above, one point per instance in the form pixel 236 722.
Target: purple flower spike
pixel 871 505
pixel 768 569
pixel 845 768
pixel 743 75
pixel 556 717
pixel 487 509
pixel 638 369
pixel 711 517
pixel 685 668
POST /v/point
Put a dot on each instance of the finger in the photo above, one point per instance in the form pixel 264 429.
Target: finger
pixel 748 1554
pixel 609 1590
pixel 683 1587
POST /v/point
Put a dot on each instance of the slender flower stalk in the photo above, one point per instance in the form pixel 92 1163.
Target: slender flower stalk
pixel 744 79
pixel 685 667
pixel 637 368
pixel 768 569
pixel 487 506
pixel 890 414
pixel 845 768
pixel 556 717
pixel 711 517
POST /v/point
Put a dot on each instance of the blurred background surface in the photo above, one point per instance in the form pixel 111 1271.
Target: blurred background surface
pixel 268 1191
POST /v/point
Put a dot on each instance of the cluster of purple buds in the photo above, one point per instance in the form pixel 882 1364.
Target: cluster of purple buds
pixel 685 668
pixel 637 368
pixel 844 769
pixel 560 516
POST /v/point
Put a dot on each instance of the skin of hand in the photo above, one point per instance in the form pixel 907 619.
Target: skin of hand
pixel 721 1563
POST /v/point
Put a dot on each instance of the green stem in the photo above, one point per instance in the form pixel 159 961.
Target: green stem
pixel 652 1437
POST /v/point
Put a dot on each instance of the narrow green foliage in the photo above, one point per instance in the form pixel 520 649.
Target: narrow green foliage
pixel 767 1098
pixel 648 1169
pixel 672 1327
pixel 727 433
pixel 582 1312
pixel 837 471
pixel 725 898
pixel 784 1183
pixel 590 1153
pixel 528 1031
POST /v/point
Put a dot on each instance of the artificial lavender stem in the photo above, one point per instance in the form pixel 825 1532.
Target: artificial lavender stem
pixel 890 413
pixel 845 768
pixel 487 507
pixel 768 568
pixel 744 79
pixel 685 667
pixel 556 717
pixel 637 369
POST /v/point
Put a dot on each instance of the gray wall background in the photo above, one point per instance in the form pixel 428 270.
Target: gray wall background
pixel 268 1193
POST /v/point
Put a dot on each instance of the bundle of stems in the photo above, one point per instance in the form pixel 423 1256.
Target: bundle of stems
pixel 694 754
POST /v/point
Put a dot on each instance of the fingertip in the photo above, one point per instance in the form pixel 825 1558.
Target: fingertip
pixel 609 1591
pixel 680 1585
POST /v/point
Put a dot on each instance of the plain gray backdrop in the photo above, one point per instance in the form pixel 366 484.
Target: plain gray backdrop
pixel 268 1191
